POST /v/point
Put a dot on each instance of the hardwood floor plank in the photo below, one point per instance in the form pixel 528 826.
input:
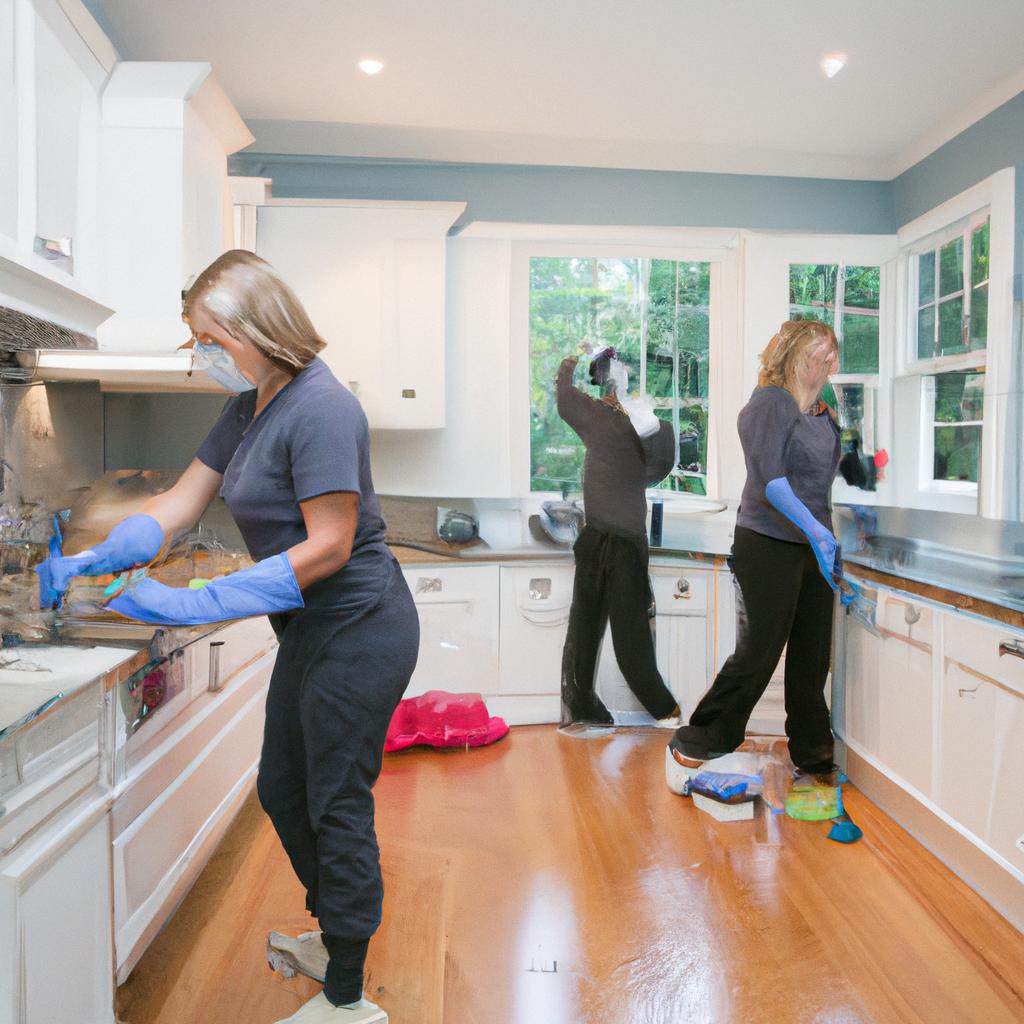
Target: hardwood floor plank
pixel 552 880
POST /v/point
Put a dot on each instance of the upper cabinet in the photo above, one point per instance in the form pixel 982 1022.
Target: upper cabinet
pixel 372 277
pixel 166 132
pixel 50 80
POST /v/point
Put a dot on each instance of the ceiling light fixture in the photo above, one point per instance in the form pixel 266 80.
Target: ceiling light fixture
pixel 833 63
pixel 370 66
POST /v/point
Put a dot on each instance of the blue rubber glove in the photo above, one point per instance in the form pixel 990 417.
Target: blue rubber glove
pixel 822 541
pixel 49 596
pixel 134 541
pixel 269 586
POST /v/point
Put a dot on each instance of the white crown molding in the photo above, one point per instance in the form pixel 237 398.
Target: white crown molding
pixel 955 123
pixel 366 141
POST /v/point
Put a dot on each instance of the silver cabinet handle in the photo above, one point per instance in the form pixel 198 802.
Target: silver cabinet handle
pixel 1014 647
pixel 213 683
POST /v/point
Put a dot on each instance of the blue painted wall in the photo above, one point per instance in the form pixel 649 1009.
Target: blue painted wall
pixel 588 195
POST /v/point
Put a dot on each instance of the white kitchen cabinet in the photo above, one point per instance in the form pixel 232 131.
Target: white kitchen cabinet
pixel 181 776
pixel 981 777
pixel 458 613
pixel 55 950
pixel 535 603
pixel 372 277
pixel 8 122
pixel 890 698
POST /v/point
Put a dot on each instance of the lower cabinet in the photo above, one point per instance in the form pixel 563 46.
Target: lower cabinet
pixel 935 705
pixel 185 780
pixel 55 948
pixel 890 706
pixel 458 612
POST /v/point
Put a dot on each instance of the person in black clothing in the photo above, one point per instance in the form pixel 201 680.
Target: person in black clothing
pixel 611 554
pixel 785 559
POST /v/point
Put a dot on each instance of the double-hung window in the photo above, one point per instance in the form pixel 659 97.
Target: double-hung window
pixel 949 285
pixel 656 314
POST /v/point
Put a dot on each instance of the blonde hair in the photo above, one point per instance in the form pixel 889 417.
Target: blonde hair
pixel 781 356
pixel 246 297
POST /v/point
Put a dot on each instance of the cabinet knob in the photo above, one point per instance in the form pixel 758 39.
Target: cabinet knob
pixel 428 585
pixel 682 589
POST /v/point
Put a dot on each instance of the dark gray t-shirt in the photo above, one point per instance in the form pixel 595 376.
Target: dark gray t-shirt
pixel 779 440
pixel 311 439
pixel 619 465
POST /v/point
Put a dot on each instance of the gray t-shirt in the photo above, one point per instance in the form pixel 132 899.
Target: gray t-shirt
pixel 311 439
pixel 619 465
pixel 779 440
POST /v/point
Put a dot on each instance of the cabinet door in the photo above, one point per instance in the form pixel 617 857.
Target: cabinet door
pixel 890 689
pixel 535 603
pixel 8 123
pixel 982 754
pixel 458 612
pixel 66 970
pixel 373 280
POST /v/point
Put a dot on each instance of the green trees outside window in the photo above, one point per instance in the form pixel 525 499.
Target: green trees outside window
pixel 655 314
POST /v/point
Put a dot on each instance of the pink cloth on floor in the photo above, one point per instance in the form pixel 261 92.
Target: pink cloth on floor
pixel 440 719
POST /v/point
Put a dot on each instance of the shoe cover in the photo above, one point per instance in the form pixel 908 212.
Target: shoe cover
pixel 305 954
pixel 319 1010
pixel 440 719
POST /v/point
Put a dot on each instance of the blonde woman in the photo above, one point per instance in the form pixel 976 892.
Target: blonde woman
pixel 290 455
pixel 785 559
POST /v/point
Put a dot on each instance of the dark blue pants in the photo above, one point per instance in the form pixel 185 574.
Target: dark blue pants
pixel 339 675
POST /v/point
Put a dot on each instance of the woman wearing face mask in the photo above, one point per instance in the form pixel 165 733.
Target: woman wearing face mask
pixel 628 449
pixel 290 455
pixel 785 559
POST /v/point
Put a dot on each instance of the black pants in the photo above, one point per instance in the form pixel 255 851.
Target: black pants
pixel 611 584
pixel 339 675
pixel 782 601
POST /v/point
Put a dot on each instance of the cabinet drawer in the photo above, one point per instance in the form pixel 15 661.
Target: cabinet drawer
pixel 234 646
pixel 976 645
pixel 681 591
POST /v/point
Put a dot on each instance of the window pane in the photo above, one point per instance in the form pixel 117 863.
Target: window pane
pixel 812 291
pixel 860 287
pixel 858 351
pixel 951 327
pixel 951 266
pixel 957 453
pixel 979 254
pixel 925 278
pixel 926 332
pixel 979 317
pixel 959 397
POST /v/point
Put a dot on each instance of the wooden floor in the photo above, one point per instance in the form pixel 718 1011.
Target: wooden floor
pixel 553 880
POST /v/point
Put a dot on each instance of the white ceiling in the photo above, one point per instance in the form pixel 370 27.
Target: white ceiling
pixel 716 85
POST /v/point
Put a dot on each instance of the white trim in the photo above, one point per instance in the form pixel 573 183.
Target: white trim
pixel 946 215
pixel 89 31
pixel 955 123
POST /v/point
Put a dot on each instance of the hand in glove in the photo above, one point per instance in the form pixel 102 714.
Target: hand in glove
pixel 822 541
pixel 134 541
pixel 269 586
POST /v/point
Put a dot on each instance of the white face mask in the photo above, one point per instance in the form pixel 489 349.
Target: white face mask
pixel 219 365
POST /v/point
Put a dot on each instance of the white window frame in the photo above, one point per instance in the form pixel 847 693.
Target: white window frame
pixel 683 245
pixel 917 487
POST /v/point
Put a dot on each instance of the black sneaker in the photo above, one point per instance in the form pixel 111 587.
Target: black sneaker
pixel 824 773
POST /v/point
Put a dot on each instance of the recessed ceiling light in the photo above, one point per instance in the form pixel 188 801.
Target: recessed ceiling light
pixel 833 63
pixel 370 66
